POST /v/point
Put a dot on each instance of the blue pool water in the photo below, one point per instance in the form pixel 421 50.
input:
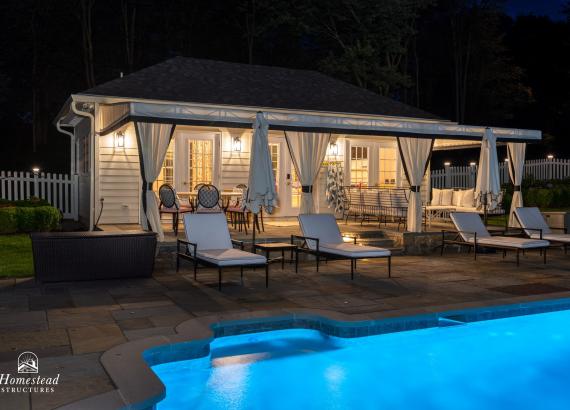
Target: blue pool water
pixel 515 363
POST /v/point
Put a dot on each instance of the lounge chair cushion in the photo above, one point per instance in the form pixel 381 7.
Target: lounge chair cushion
pixel 446 197
pixel 510 242
pixel 321 226
pixel 351 250
pixel 208 231
pixel 554 237
pixel 468 223
pixel 231 257
pixel 435 197
pixel 530 217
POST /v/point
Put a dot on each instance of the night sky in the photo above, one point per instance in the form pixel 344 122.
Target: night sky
pixel 550 8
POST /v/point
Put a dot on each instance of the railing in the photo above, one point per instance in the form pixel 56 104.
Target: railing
pixel 60 190
pixel 466 176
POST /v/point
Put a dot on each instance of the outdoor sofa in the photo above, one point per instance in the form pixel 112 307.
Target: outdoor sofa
pixel 534 225
pixel 208 243
pixel 322 238
pixel 445 201
pixel 472 233
pixel 66 256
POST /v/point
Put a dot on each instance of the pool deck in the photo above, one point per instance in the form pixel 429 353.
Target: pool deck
pixel 70 325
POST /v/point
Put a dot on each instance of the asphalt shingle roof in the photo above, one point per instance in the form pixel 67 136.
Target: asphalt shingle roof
pixel 217 82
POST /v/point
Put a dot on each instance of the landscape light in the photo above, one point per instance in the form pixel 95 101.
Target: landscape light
pixel 550 156
pixel 447 164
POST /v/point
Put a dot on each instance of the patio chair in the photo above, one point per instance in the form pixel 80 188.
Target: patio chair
pixel 208 243
pixel 471 232
pixel 208 199
pixel 170 204
pixel 322 238
pixel 534 225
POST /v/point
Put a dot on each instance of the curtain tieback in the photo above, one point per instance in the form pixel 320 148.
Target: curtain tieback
pixel 147 186
pixel 307 189
pixel 415 188
pixel 517 188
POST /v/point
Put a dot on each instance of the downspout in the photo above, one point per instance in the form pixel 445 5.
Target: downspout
pixel 92 159
pixel 72 146
pixel 72 168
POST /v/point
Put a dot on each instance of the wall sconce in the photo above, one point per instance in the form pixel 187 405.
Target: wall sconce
pixel 119 139
pixel 333 149
pixel 236 144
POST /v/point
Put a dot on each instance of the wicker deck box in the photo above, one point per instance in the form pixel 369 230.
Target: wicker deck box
pixel 66 256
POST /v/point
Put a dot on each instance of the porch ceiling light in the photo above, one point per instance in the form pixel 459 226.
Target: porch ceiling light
pixel 119 139
pixel 333 149
pixel 236 144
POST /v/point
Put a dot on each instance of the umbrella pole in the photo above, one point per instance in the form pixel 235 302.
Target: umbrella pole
pixel 253 229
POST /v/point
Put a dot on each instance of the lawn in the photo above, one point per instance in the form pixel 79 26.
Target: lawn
pixel 16 256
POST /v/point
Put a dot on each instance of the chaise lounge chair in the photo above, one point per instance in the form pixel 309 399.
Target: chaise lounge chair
pixel 472 232
pixel 322 238
pixel 534 225
pixel 208 243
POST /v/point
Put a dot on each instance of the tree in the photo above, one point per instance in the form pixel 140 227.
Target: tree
pixel 86 19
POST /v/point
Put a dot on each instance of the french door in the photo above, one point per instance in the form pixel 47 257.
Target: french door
pixel 197 160
pixel 286 180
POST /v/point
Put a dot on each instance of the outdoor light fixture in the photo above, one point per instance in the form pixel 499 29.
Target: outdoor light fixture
pixel 506 160
pixel 550 156
pixel 447 164
pixel 35 170
pixel 119 139
pixel 472 164
pixel 236 145
pixel 333 149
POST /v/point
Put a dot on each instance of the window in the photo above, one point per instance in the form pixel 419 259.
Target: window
pixel 166 175
pixel 387 167
pixel 295 189
pixel 274 151
pixel 359 166
pixel 200 162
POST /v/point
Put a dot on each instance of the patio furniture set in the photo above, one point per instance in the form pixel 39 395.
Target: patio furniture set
pixel 382 204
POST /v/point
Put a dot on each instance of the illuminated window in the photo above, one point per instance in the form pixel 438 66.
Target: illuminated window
pixel 387 167
pixel 359 166
pixel 166 175
pixel 200 162
pixel 274 151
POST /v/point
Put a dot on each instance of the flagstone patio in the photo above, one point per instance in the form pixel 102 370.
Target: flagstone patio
pixel 69 325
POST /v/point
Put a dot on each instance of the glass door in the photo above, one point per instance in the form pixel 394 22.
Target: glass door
pixel 200 162
pixel 359 165
pixel 286 180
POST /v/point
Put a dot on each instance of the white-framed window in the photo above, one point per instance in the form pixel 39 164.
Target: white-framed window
pixel 359 165
pixel 166 175
pixel 387 166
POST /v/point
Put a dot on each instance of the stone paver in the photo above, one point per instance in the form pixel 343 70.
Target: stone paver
pixel 69 325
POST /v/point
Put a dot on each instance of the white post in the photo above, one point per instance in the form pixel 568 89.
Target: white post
pixel 447 166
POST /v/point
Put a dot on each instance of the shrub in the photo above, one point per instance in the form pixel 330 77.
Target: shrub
pixel 28 219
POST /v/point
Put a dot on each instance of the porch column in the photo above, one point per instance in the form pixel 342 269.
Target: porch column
pixel 308 150
pixel 152 140
pixel 415 154
pixel 516 153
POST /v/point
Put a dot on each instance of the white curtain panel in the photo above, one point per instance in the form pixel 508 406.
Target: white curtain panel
pixel 516 152
pixel 153 140
pixel 308 150
pixel 488 185
pixel 261 184
pixel 415 154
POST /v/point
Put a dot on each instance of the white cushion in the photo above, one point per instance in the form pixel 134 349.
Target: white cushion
pixel 468 199
pixel 446 197
pixel 352 250
pixel 530 217
pixel 231 257
pixel 554 237
pixel 208 231
pixel 435 197
pixel 320 226
pixel 456 198
pixel 511 242
pixel 468 223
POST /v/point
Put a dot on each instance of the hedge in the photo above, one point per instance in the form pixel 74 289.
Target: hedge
pixel 553 194
pixel 28 219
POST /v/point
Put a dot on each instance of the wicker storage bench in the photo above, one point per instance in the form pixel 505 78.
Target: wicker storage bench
pixel 64 256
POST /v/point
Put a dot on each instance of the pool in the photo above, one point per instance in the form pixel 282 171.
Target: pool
pixel 518 362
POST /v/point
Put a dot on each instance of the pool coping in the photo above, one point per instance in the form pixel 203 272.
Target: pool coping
pixel 138 387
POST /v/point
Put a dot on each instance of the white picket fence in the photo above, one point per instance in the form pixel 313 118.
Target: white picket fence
pixel 466 176
pixel 60 190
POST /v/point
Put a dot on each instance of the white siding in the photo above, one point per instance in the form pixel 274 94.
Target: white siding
pixel 119 179
pixel 234 165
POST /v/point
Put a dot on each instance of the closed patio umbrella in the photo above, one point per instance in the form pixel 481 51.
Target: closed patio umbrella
pixel 261 184
pixel 488 187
